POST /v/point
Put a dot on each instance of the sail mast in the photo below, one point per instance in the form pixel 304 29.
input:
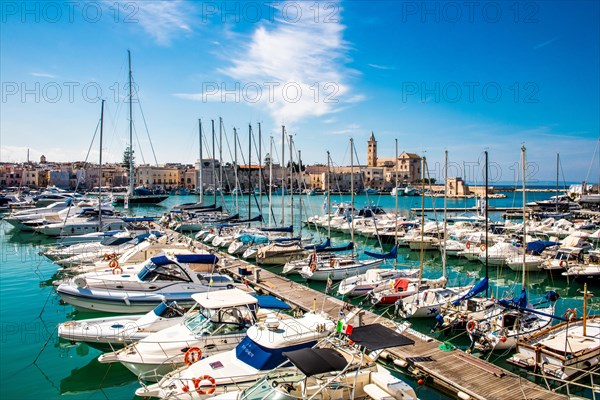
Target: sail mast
pixel 249 169
pixel 328 188
pixel 486 224
pixel 396 205
pixel 100 168
pixel 352 193
pixel 445 212
pixel 199 185
pixel 214 173
pixel 130 190
pixel 422 252
pixel 235 170
pixel 282 175
pixel 556 201
pixel 524 244
pixel 271 182
pixel 260 171
pixel 291 183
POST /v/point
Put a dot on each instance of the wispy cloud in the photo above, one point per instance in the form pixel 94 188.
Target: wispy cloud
pixel 43 75
pixel 546 43
pixel 383 67
pixel 163 20
pixel 299 65
pixel 347 130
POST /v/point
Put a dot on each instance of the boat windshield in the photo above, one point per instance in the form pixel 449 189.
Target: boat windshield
pixel 167 272
pixel 220 321
pixel 276 385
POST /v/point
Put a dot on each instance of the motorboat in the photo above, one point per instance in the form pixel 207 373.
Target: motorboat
pixel 255 356
pixel 498 254
pixel 218 322
pixel 400 288
pixel 109 333
pixel 337 268
pixel 169 278
pixel 337 368
pixel 373 280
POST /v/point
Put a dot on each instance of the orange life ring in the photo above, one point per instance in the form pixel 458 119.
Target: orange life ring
pixel 113 264
pixel 210 390
pixel 117 270
pixel 562 263
pixel 192 355
pixel 332 262
pixel 482 247
pixel 468 245
pixel 471 325
pixel 571 314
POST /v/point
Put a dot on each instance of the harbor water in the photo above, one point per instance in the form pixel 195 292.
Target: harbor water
pixel 35 364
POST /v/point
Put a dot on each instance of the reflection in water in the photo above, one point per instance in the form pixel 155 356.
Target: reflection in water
pixel 95 376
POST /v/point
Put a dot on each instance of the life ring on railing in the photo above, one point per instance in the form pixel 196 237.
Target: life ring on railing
pixel 117 270
pixel 332 262
pixel 113 263
pixel 571 314
pixel 563 263
pixel 313 262
pixel 468 245
pixel 212 230
pixel 210 390
pixel 471 326
pixel 482 247
pixel 192 355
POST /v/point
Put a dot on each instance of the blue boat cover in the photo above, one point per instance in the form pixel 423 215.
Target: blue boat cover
pixel 197 258
pixel 536 247
pixel 520 301
pixel 385 256
pixel 138 219
pixel 272 302
pixel 475 290
pixel 161 260
pixel 253 219
pixel 318 247
pixel 348 246
pixel 253 239
pixel 287 229
pixel 264 358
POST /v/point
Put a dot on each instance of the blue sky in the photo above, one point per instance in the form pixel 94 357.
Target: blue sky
pixel 460 76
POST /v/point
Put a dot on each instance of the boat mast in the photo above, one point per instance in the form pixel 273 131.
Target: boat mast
pixel 524 244
pixel 100 169
pixel 422 252
pixel 199 185
pixel 486 223
pixel 130 190
pixel 396 205
pixel 271 182
pixel 282 175
pixel 235 147
pixel 249 169
pixel 445 212
pixel 328 188
pixel 557 163
pixel 220 163
pixel 352 193
pixel 260 171
pixel 214 173
pixel 300 187
pixel 291 183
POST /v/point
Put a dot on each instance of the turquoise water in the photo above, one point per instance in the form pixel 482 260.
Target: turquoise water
pixel 34 364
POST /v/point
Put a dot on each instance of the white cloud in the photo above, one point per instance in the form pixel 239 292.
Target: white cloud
pixel 162 20
pixel 43 75
pixel 377 66
pixel 293 69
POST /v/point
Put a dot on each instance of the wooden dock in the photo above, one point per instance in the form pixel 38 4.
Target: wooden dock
pixel 456 373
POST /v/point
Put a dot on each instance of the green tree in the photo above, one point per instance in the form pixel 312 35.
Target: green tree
pixel 128 158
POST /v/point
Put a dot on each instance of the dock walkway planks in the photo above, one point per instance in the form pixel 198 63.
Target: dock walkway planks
pixel 453 371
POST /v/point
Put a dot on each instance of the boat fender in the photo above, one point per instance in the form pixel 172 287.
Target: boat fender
pixel 463 396
pixel 192 355
pixel 563 263
pixel 210 390
pixel 80 282
pixel 468 245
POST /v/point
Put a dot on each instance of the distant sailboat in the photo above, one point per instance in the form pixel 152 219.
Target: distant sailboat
pixel 139 195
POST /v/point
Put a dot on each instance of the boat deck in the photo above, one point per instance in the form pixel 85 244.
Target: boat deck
pixel 454 372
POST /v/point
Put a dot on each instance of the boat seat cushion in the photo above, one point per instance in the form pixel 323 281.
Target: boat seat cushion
pixel 376 393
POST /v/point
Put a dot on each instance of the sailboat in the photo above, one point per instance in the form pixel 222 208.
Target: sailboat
pixel 509 321
pixel 139 195
pixel 341 267
pixel 564 350
pixel 428 303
